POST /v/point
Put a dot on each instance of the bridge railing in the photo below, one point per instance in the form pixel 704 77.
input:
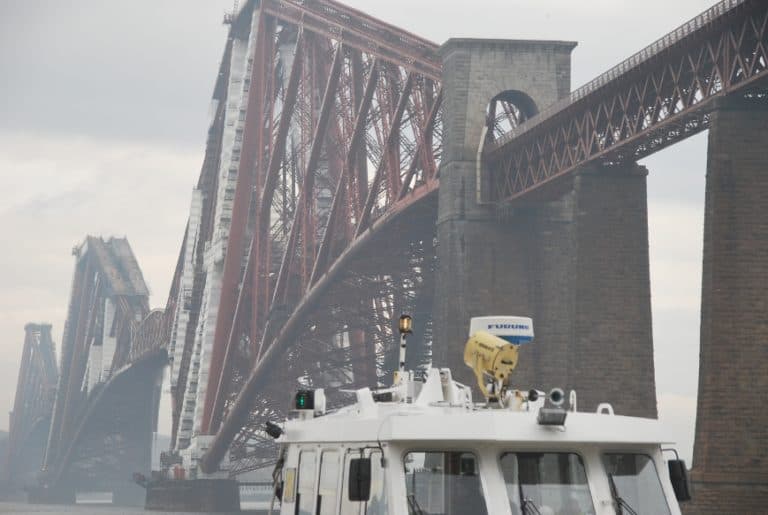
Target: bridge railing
pixel 625 66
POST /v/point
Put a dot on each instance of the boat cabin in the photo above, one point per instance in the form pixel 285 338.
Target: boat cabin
pixel 423 447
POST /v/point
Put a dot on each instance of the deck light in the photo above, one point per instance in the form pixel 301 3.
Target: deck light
pixel 552 417
pixel 406 324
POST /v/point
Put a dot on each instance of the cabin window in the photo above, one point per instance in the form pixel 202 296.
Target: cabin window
pixel 445 482
pixel 305 502
pixel 377 503
pixel 635 483
pixel 546 483
pixel 329 483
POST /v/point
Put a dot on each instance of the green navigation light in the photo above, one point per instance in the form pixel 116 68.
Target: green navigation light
pixel 305 400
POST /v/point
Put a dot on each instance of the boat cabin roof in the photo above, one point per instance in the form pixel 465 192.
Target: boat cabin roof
pixel 431 419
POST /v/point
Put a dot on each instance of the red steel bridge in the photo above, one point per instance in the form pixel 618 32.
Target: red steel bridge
pixel 354 171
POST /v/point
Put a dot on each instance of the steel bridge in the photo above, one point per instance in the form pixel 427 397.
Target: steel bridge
pixel 33 404
pixel 98 430
pixel 319 215
pixel 354 171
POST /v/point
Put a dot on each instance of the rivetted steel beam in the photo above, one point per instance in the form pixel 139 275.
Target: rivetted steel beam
pixel 261 232
pixel 325 112
pixel 243 193
pixel 360 92
pixel 355 148
pixel 358 30
pixel 388 143
pixel 422 148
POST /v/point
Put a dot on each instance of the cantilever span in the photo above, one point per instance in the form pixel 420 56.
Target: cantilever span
pixel 327 134
pixel 106 397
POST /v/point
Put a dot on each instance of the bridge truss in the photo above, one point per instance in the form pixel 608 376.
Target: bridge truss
pixel 109 332
pixel 33 404
pixel 655 98
pixel 321 172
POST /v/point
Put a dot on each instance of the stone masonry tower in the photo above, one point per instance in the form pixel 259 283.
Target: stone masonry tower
pixel 576 262
pixel 730 457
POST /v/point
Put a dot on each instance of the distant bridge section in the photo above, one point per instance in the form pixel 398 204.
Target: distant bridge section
pixel 108 390
pixel 32 407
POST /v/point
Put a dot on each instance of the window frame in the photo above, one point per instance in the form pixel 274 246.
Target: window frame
pixel 605 452
pixel 361 452
pixel 476 452
pixel 339 472
pixel 297 499
pixel 580 453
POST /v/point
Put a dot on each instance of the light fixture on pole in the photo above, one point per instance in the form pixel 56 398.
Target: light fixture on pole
pixel 405 326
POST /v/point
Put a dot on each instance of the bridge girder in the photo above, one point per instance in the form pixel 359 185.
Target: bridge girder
pixel 655 98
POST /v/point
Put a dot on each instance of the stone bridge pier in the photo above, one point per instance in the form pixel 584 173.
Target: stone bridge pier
pixel 730 462
pixel 576 262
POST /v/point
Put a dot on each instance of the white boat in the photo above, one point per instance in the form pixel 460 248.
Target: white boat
pixel 423 447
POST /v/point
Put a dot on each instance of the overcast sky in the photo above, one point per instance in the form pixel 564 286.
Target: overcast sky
pixel 103 117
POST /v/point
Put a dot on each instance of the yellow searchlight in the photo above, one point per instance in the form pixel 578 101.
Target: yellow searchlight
pixel 492 350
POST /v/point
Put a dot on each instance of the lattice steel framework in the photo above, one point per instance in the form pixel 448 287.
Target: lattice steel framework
pixel 333 215
pixel 109 328
pixel 333 219
pixel 35 392
pixel 656 98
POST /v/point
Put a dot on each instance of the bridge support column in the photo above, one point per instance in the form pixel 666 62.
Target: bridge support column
pixel 483 265
pixel 483 269
pixel 577 264
pixel 579 267
pixel 730 465
pixel 611 340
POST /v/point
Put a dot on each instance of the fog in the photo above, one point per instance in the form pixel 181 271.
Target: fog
pixel 103 118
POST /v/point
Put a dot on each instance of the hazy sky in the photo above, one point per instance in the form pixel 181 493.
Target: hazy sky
pixel 103 117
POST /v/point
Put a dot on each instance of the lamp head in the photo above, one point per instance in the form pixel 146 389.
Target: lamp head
pixel 406 324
